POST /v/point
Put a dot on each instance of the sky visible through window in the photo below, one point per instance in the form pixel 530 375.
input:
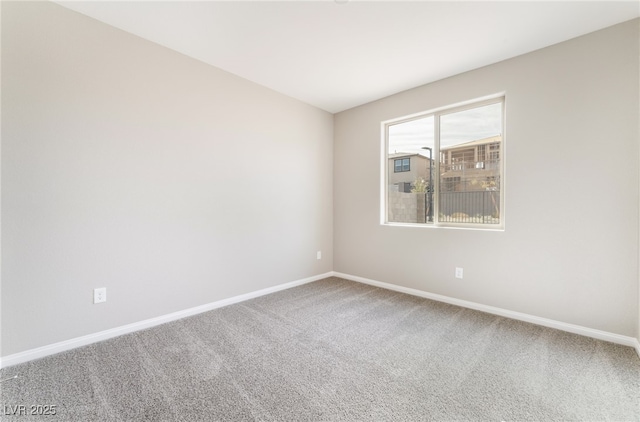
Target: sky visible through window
pixel 455 128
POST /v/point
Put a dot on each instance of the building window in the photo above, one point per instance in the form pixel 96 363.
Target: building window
pixel 402 164
pixel 458 169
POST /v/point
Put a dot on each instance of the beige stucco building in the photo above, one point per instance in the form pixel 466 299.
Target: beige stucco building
pixel 471 166
pixel 405 168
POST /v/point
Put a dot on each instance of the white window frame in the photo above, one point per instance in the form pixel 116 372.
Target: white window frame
pixel 436 113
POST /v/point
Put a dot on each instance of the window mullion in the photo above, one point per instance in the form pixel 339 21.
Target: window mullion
pixel 436 172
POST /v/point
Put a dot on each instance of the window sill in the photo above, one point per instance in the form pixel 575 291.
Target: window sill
pixel 476 227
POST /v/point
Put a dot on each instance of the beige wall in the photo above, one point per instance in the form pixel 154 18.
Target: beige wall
pixel 130 166
pixel 175 184
pixel 570 248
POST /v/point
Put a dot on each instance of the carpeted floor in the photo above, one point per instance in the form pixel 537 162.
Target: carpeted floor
pixel 334 350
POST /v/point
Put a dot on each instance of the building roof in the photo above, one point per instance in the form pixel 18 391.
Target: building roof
pixel 406 154
pixel 483 141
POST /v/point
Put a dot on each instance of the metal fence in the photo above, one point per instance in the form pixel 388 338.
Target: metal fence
pixel 481 207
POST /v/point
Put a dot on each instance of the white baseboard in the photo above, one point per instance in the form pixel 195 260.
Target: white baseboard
pixel 62 346
pixel 563 326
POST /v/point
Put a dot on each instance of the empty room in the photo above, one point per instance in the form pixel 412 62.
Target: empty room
pixel 335 210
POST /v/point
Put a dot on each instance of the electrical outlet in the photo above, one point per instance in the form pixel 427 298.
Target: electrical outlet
pixel 459 272
pixel 100 295
pixel 319 255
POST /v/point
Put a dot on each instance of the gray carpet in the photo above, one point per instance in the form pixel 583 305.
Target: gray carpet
pixel 335 350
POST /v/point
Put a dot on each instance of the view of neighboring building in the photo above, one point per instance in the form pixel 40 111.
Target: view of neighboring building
pixel 472 166
pixel 470 181
pixel 405 169
pixel 469 189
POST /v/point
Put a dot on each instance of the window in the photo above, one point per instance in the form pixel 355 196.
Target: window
pixel 402 164
pixel 457 174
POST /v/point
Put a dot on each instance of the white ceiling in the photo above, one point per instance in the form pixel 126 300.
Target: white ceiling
pixel 339 54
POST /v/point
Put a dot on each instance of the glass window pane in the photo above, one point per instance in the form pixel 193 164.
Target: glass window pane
pixel 409 192
pixel 470 170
